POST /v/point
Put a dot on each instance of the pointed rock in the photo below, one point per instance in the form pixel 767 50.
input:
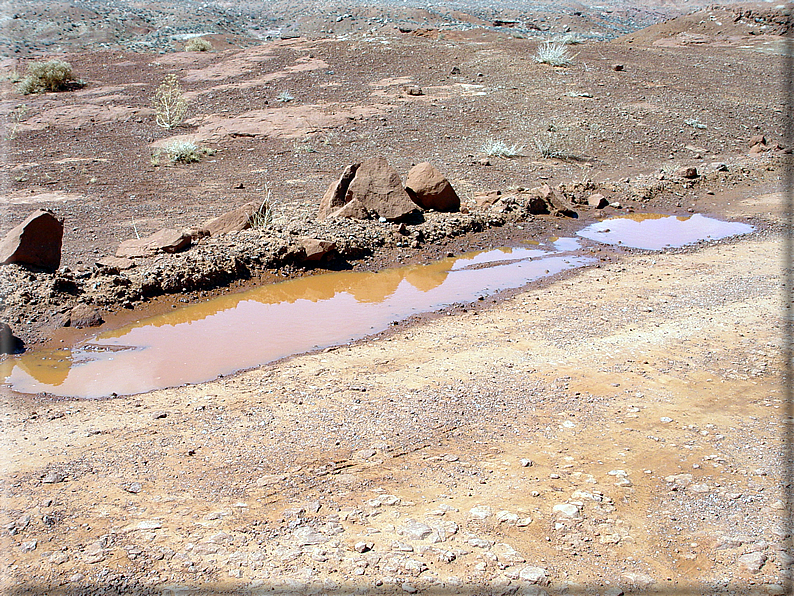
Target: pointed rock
pixel 334 197
pixel 233 221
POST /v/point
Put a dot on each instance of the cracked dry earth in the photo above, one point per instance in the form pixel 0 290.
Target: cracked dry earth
pixel 619 429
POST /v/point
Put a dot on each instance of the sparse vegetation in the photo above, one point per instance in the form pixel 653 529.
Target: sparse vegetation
pixel 285 96
pixel 198 44
pixel 554 53
pixel 494 148
pixel 14 118
pixel 52 75
pixel 263 217
pixel 169 105
pixel 181 151
pixel 570 39
pixel 569 145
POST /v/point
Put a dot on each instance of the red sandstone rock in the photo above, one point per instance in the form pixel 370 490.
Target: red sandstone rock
pixel 430 189
pixel 35 242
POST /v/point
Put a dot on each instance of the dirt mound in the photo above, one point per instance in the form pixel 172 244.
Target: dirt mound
pixel 715 25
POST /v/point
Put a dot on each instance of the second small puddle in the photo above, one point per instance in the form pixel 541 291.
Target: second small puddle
pixel 199 342
pixel 657 232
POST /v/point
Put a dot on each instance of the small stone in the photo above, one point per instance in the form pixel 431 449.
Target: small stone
pixel 566 510
pixel 305 536
pixel 159 415
pixel 414 530
pixel 687 172
pixel 28 546
pixel 507 554
pixel 526 463
pixel 479 543
pixel 752 562
pixel 506 517
pixel 363 547
pixel 480 512
pixel 523 522
pixel 597 201
pixel 533 575
pixel 409 588
pixel 756 140
pixel 53 477
pixel 133 488
pixel 617 67
pixel 414 90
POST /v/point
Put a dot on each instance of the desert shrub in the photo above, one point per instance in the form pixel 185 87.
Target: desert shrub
pixel 169 105
pixel 553 53
pixel 285 96
pixel 198 44
pixel 52 75
pixel 494 148
pixel 263 216
pixel 181 151
pixel 564 145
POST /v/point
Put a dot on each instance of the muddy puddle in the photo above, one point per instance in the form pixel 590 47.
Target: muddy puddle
pixel 657 232
pixel 199 342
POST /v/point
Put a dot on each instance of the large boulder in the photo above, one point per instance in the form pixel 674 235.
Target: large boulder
pixel 35 242
pixel 233 221
pixel 377 188
pixel 166 240
pixel 430 189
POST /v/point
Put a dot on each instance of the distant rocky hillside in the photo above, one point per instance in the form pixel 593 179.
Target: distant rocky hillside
pixel 43 26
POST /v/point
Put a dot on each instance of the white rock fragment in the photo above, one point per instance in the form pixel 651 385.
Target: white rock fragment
pixel 480 512
pixel 533 575
pixel 568 510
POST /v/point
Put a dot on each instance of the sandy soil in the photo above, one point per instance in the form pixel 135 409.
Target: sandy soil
pixel 615 430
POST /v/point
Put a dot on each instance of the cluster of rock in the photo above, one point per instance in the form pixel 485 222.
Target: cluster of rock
pixel 373 190
pixel 758 144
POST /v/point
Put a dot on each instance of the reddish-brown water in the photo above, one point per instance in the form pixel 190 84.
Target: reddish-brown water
pixel 657 232
pixel 202 341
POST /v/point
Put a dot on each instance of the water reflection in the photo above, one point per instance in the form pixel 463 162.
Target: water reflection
pixel 197 343
pixel 657 232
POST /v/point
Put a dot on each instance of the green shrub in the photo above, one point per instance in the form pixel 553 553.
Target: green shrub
pixel 52 75
pixel 198 44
